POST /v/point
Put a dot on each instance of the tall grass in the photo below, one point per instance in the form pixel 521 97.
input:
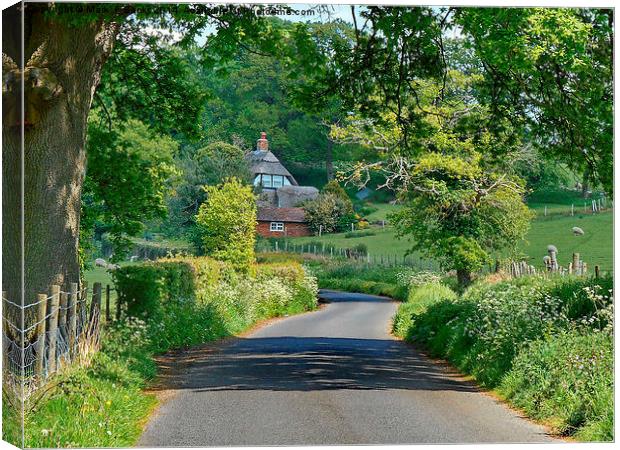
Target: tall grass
pixel 546 345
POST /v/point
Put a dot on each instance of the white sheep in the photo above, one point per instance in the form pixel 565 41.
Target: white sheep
pixel 134 258
pixel 578 231
pixel 100 262
pixel 112 266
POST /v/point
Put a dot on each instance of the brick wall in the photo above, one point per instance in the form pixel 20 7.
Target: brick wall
pixel 293 229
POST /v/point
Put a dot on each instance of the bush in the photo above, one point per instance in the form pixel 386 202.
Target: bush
pixel 227 223
pixel 202 284
pixel 329 213
pixel 357 234
pixel 544 343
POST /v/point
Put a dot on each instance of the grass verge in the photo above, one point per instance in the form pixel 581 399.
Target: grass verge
pixel 545 345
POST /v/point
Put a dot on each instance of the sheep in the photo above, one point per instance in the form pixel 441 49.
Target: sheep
pixel 100 262
pixel 134 258
pixel 578 231
pixel 112 266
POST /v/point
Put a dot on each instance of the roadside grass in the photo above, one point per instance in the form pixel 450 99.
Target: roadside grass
pixel 103 404
pixel 543 344
pixel 355 277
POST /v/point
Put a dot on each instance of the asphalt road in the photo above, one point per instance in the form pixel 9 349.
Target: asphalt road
pixel 334 376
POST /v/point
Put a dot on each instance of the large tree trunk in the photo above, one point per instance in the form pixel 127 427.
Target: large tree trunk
pixel 62 69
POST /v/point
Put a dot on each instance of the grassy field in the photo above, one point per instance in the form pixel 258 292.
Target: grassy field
pixel 596 246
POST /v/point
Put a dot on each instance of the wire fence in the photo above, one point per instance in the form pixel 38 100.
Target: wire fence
pixel 41 338
pixel 356 253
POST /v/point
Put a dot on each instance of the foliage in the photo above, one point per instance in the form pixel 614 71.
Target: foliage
pixel 545 344
pixel 210 165
pixel 457 212
pixel 227 223
pixel 130 168
pixel 329 213
pixel 104 403
pixel 557 80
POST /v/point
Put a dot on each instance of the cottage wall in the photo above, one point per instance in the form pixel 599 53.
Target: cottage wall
pixel 293 229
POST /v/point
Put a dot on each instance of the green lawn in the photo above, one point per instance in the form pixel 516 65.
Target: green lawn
pixel 383 209
pixel 596 246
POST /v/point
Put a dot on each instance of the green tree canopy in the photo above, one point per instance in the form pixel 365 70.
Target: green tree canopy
pixel 130 170
pixel 459 212
pixel 227 223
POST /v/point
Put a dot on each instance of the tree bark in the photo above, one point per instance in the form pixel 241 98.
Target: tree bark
pixel 62 70
pixel 585 185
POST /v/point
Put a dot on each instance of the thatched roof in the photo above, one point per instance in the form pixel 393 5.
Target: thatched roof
pixel 267 163
pixel 281 215
pixel 292 196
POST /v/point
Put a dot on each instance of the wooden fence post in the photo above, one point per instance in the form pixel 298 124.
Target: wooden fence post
pixel 84 304
pixel 107 303
pixel 40 349
pixel 95 306
pixel 73 300
pixel 54 310
pixel 62 313
pixel 576 263
pixel 597 271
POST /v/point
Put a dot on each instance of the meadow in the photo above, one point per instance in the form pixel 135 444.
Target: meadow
pixel 595 246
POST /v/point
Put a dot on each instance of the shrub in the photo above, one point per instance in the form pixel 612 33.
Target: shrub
pixel 357 234
pixel 227 223
pixel 545 343
pixel 178 286
pixel 329 213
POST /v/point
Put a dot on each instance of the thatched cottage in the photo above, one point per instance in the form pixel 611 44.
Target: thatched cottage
pixel 280 195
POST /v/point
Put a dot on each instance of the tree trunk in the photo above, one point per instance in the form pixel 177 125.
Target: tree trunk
pixel 329 160
pixel 464 277
pixel 62 70
pixel 585 185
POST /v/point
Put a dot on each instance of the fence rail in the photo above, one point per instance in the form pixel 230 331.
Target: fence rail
pixel 58 329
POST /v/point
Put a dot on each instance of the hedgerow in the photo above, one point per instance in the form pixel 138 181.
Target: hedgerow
pixel 172 303
pixel 545 344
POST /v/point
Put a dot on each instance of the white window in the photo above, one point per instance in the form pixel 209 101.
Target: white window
pixel 276 226
pixel 257 180
pixel 277 181
pixel 266 181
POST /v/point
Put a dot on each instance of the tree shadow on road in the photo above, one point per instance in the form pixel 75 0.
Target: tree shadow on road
pixel 309 364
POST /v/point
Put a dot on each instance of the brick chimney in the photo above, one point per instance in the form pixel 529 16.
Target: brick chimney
pixel 262 144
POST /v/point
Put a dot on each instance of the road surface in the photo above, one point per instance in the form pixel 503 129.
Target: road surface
pixel 334 376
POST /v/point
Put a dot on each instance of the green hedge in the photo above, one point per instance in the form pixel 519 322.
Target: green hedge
pixel 174 303
pixel 544 343
pixel 143 288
